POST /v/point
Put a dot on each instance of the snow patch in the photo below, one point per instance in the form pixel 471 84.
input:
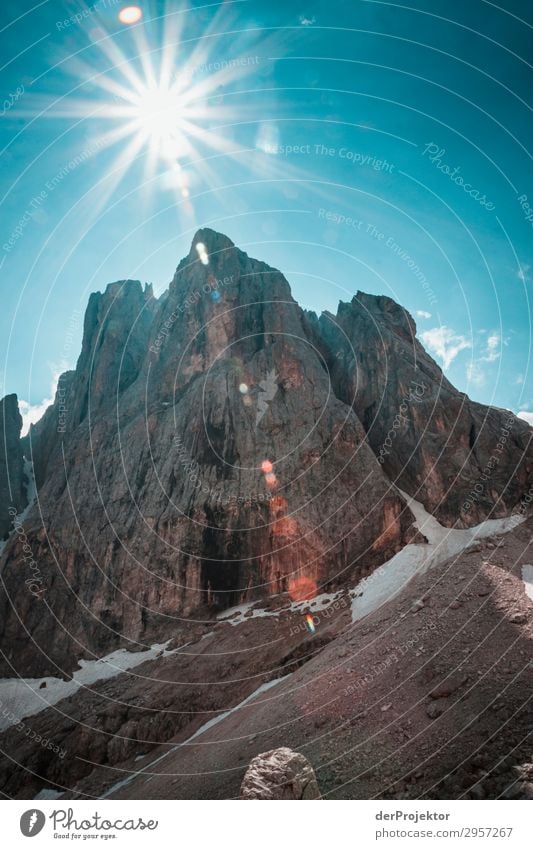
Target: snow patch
pixel 31 488
pixel 203 728
pixel 247 612
pixel 21 697
pixel 527 577
pixel 389 578
pixel 48 794
pixel 211 722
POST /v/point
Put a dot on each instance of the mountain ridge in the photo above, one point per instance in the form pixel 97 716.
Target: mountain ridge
pixel 168 492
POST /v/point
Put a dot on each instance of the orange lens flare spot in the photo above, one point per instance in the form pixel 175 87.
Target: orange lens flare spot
pixel 278 503
pixel 285 527
pixel 266 467
pixel 271 479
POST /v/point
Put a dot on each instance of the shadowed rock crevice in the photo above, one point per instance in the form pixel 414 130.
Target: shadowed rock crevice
pixel 12 479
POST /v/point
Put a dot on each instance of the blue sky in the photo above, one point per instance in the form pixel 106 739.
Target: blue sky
pixel 354 145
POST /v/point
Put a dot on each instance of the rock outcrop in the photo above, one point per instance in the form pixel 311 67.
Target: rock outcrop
pixel 280 774
pixel 12 480
pixel 463 460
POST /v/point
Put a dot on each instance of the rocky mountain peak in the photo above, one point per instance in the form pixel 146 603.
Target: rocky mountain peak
pixel 115 337
pixel 220 444
pixel 9 405
pixel 430 439
pixel 382 310
pixel 213 241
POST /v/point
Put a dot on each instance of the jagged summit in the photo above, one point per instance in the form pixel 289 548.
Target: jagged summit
pixel 381 308
pixel 212 239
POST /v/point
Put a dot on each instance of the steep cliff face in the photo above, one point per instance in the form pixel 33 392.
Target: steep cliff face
pixel 220 445
pixel 44 438
pixel 116 328
pixel 12 482
pixel 115 337
pixel 465 461
pixel 205 461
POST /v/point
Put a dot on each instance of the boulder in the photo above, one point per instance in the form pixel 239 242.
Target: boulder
pixel 280 774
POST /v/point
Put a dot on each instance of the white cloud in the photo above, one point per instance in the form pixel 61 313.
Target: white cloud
pixel 493 348
pixel 267 138
pixel 526 416
pixel 445 343
pixel 422 314
pixel 31 413
pixel 475 373
pixel 491 352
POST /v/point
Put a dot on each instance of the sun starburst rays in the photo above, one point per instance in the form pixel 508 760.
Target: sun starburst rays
pixel 153 106
pixel 158 115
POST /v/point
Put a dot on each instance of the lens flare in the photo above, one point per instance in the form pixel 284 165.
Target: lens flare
pixel 266 467
pixel 302 588
pixel 243 388
pixel 310 624
pixel 201 250
pixel 286 526
pixel 130 15
pixel 278 504
pixel 143 101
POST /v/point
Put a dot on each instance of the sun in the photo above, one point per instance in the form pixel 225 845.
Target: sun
pixel 155 103
pixel 164 107
pixel 158 114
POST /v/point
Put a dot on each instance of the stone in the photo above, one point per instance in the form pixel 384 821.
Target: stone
pixel 434 709
pixel 280 774
pixel 518 618
pixel 450 686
